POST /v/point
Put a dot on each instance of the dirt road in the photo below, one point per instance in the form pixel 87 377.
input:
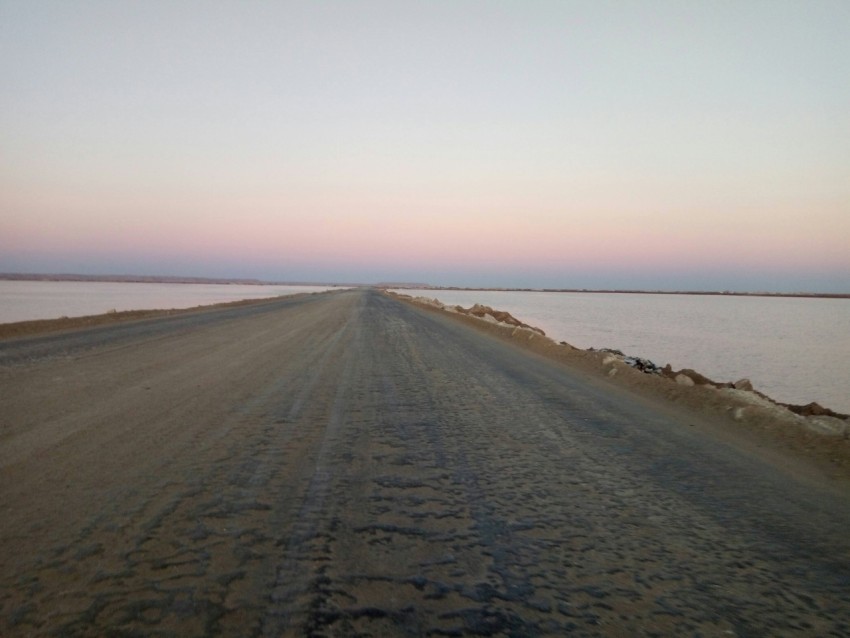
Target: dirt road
pixel 344 464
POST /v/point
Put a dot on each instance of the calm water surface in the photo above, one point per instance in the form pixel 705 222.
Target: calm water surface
pixel 795 350
pixel 26 300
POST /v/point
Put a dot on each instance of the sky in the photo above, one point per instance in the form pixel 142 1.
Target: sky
pixel 661 145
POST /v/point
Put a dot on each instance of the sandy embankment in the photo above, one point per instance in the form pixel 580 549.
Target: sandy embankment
pixel 42 326
pixel 811 431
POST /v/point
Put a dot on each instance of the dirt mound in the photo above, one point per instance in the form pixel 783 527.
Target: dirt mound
pixel 480 311
pixel 43 326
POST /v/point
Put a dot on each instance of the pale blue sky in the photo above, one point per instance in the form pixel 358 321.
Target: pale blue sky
pixel 386 140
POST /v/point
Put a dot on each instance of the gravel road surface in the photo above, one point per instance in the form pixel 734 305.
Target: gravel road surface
pixel 348 465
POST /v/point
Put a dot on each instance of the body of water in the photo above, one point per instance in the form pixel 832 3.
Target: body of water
pixel 27 300
pixel 795 350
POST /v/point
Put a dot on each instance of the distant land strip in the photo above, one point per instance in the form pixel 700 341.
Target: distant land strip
pixel 724 293
pixel 176 279
pixel 159 279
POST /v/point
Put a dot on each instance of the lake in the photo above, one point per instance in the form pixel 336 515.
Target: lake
pixel 26 300
pixel 794 349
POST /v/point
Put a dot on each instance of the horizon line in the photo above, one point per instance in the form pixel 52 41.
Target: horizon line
pixel 189 279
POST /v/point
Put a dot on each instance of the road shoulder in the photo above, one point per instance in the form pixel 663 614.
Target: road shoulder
pixel 793 443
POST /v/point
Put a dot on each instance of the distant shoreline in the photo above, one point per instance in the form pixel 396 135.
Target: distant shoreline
pixel 168 279
pixel 158 279
pixel 715 293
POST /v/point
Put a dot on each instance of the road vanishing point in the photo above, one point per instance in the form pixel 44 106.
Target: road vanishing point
pixel 346 464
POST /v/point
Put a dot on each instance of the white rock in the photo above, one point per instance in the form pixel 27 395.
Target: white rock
pixel 753 399
pixel 683 379
pixel 828 425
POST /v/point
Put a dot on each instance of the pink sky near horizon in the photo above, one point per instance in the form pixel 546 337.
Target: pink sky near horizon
pixel 606 238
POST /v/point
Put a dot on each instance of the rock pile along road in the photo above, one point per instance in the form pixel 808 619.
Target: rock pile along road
pixel 345 464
